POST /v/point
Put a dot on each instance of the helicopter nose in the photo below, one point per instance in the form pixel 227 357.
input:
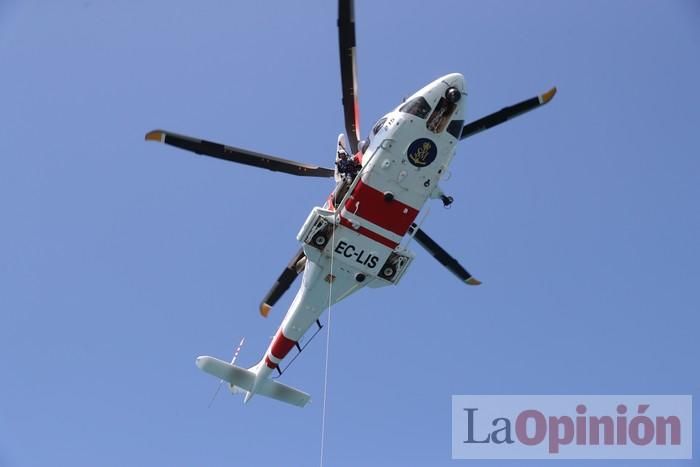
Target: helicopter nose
pixel 455 90
pixel 454 80
pixel 455 87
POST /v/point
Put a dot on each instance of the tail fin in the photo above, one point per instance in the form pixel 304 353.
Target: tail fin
pixel 245 379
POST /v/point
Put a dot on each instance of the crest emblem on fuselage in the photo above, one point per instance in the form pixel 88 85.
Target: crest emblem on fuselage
pixel 422 152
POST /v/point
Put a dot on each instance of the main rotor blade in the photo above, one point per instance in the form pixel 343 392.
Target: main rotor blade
pixel 242 156
pixel 506 114
pixel 442 256
pixel 284 281
pixel 348 71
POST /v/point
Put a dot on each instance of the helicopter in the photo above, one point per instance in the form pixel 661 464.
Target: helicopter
pixel 359 237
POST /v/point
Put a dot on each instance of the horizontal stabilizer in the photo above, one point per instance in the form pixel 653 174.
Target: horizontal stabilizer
pixel 225 371
pixel 245 379
pixel 284 393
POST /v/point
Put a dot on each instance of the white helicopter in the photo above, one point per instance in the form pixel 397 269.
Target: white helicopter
pixel 359 237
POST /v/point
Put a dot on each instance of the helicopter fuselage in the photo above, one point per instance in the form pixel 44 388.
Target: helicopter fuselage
pixel 359 240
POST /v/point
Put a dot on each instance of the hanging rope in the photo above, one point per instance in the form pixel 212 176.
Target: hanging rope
pixel 328 340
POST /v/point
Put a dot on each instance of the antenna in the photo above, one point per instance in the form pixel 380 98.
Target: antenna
pixel 233 360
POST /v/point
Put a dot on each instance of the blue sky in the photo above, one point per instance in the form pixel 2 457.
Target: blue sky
pixel 122 261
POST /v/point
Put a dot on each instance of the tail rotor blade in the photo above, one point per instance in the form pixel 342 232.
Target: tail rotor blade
pixel 233 360
pixel 216 393
pixel 238 349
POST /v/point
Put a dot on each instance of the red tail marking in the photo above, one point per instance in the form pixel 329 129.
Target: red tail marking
pixel 281 345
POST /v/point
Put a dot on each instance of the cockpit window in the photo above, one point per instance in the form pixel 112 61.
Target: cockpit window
pixel 378 126
pixel 417 106
pixel 455 128
pixel 441 116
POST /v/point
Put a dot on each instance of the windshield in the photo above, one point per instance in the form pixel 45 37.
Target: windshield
pixel 417 106
pixel 378 126
pixel 441 116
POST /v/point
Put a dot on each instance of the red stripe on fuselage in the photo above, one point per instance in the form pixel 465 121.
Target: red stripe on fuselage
pixel 281 345
pixel 369 234
pixel 270 363
pixel 393 216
